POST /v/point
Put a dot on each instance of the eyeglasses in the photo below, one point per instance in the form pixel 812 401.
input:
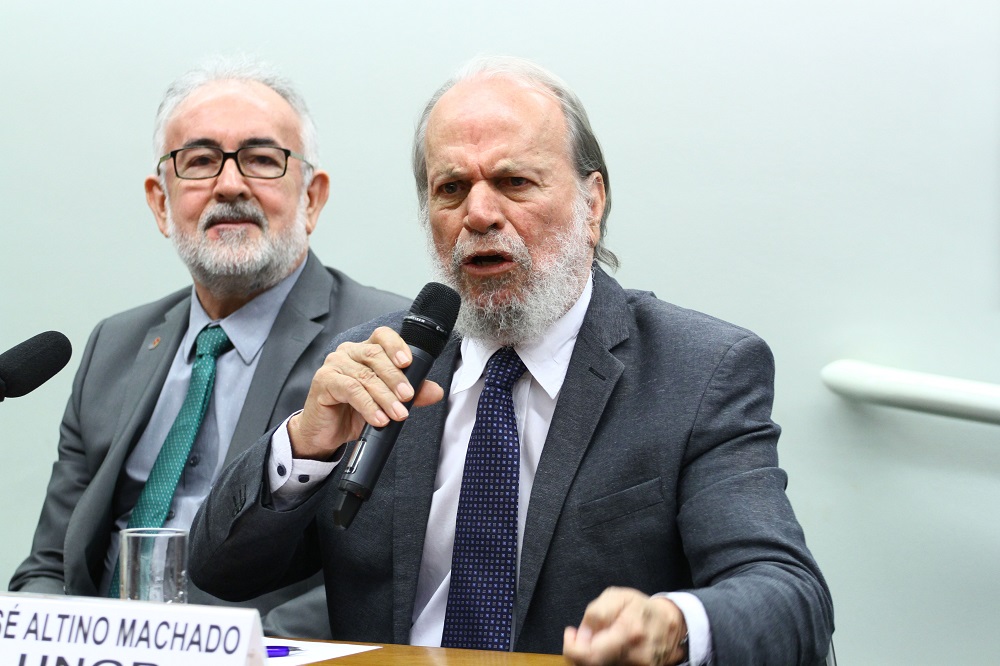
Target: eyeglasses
pixel 201 162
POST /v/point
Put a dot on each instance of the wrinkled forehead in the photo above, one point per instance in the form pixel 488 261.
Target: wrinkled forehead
pixel 231 113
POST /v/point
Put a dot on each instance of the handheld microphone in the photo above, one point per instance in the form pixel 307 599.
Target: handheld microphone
pixel 426 330
pixel 26 366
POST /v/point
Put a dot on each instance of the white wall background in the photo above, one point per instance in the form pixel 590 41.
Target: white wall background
pixel 825 173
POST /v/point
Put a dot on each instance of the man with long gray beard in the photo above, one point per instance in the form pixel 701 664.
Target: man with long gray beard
pixel 586 470
pixel 238 191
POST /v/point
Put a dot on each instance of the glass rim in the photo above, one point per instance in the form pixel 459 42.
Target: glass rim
pixel 235 156
pixel 154 531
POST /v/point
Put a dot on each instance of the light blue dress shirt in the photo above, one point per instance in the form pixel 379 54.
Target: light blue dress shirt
pixel 247 329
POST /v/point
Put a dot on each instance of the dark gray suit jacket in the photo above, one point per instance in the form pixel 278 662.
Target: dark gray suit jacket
pixel 114 392
pixel 659 472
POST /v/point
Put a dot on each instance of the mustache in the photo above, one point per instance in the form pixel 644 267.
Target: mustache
pixel 491 242
pixel 233 211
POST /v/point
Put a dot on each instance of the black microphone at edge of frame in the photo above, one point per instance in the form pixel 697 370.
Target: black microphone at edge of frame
pixel 26 366
pixel 426 330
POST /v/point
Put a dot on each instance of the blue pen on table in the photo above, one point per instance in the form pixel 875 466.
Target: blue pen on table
pixel 281 650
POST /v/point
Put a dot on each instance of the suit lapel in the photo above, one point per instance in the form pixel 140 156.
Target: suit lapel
pixel 295 328
pixel 415 471
pixel 590 379
pixel 147 373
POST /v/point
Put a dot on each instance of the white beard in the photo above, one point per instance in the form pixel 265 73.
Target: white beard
pixel 236 264
pixel 550 286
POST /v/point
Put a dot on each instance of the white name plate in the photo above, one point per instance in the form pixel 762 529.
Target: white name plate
pixel 50 630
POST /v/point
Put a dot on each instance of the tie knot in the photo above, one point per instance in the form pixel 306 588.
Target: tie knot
pixel 504 368
pixel 212 341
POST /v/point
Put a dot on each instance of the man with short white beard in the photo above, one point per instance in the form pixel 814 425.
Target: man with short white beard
pixel 587 469
pixel 238 191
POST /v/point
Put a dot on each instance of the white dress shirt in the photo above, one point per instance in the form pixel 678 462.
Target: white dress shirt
pixel 535 395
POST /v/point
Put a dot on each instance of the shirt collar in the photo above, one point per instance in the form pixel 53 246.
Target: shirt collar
pixel 248 327
pixel 547 358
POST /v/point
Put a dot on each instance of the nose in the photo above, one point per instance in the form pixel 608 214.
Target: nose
pixel 230 184
pixel 482 208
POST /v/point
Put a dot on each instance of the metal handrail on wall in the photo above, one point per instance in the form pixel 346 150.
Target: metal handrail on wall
pixel 934 394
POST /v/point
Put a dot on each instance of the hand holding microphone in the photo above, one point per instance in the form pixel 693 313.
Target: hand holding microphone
pixel 358 384
pixel 363 391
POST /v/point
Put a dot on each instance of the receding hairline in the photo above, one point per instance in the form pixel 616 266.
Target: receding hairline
pixel 198 94
pixel 550 107
pixel 236 67
pixel 537 89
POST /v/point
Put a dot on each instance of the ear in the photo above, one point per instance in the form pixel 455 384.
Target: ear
pixel 595 188
pixel 157 200
pixel 316 195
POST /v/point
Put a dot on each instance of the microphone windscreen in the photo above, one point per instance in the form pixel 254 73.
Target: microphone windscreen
pixel 431 318
pixel 27 366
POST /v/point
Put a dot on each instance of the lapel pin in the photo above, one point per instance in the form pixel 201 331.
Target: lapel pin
pixel 154 344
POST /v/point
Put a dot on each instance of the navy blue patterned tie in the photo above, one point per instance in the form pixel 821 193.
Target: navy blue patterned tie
pixel 484 561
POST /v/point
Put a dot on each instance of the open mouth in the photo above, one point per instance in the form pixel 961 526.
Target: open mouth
pixel 488 263
pixel 488 260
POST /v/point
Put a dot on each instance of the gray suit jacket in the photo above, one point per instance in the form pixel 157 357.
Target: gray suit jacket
pixel 114 392
pixel 659 472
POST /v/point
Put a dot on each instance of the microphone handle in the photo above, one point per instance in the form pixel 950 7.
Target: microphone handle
pixel 367 455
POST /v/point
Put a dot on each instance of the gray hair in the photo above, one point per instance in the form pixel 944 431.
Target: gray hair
pixel 237 68
pixel 585 150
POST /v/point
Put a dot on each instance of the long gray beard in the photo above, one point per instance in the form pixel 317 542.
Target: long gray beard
pixel 235 265
pixel 552 286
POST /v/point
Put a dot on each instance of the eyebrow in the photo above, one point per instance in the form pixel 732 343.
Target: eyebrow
pixel 507 167
pixel 449 173
pixel 504 167
pixel 205 142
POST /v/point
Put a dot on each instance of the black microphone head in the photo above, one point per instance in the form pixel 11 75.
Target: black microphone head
pixel 431 318
pixel 27 366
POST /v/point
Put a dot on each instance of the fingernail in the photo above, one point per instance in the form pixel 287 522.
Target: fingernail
pixel 399 410
pixel 404 391
pixel 381 418
pixel 401 359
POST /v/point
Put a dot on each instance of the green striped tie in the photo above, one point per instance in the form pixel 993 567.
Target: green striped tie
pixel 158 493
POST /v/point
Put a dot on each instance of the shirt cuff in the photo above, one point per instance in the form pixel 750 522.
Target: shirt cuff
pixel 292 480
pixel 699 630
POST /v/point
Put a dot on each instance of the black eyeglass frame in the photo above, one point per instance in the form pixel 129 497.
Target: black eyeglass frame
pixel 172 155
